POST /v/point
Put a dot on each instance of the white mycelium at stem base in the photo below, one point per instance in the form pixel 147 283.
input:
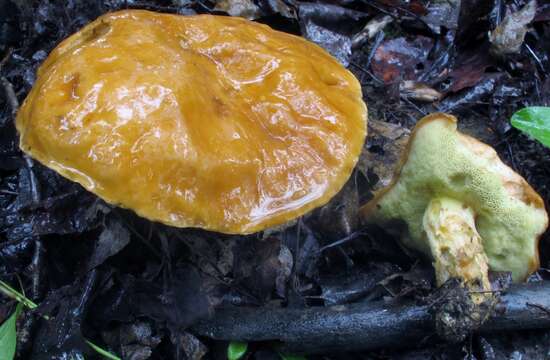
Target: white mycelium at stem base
pixel 455 245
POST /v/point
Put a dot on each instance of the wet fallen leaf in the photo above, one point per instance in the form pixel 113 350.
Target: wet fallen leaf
pixel 372 28
pixel 386 142
pixel 472 95
pixel 442 16
pixel 401 59
pixel 329 26
pixel 262 266
pixel 405 6
pixel 191 347
pixel 60 337
pixel 339 218
pixel 336 44
pixel 136 341
pixel 140 279
pixel 508 37
pixel 468 71
pixel 243 8
pixel 271 7
pixel 418 91
pixel 112 239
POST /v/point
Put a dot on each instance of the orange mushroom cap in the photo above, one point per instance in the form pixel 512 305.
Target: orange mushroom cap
pixel 196 121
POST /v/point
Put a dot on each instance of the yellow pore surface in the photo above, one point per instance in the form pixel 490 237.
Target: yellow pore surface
pixel 196 121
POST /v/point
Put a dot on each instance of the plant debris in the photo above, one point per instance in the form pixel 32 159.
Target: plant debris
pixel 400 59
pixel 243 8
pixel 136 288
pixel 508 37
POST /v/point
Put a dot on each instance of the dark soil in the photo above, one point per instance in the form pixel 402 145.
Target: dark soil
pixel 135 287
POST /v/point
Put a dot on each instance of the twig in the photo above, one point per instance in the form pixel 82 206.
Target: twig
pixel 374 77
pixel 538 306
pixel 8 192
pixel 10 95
pixel 342 241
pixel 37 270
pixel 28 324
pixel 365 326
pixel 537 60
pixel 512 157
pixel 422 112
pixel 6 58
pixel 34 182
pixel 377 41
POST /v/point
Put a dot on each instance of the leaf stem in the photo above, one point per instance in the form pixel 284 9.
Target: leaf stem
pixel 10 292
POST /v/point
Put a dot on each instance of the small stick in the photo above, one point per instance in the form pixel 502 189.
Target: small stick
pixel 8 87
pixel 366 326
pixel 538 306
pixel 10 95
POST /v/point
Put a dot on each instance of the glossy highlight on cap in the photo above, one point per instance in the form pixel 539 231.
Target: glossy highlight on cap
pixel 196 121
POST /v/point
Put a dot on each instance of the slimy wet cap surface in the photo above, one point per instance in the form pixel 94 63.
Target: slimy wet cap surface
pixel 196 121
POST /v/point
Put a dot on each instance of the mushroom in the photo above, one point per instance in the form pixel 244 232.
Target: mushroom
pixel 462 207
pixel 196 121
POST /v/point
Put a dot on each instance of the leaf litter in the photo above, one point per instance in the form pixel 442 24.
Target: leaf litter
pixel 134 287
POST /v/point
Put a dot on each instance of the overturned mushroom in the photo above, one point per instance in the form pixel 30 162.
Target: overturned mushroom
pixel 462 207
pixel 196 121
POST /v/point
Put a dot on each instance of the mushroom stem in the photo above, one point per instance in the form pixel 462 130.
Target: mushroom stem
pixel 457 252
pixel 508 213
pixel 456 246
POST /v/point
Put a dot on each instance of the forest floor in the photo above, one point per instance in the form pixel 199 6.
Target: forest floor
pixel 136 288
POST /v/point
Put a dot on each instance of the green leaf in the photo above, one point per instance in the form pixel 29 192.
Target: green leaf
pixel 102 352
pixel 236 350
pixel 8 335
pixel 291 357
pixel 10 292
pixel 534 121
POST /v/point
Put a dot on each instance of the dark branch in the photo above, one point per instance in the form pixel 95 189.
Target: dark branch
pixel 366 326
